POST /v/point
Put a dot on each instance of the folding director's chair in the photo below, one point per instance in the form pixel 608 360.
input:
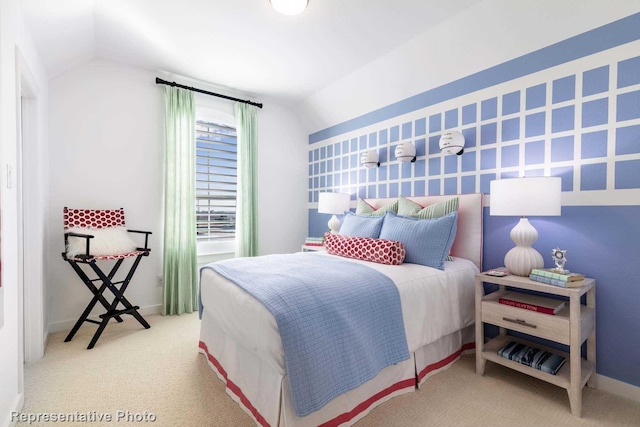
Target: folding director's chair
pixel 98 219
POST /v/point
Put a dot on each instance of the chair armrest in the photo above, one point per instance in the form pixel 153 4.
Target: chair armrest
pixel 88 237
pixel 138 231
pixel 146 238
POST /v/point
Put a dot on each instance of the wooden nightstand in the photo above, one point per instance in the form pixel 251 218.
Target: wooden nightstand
pixel 312 248
pixel 572 326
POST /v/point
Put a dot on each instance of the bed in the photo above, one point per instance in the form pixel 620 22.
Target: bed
pixel 241 341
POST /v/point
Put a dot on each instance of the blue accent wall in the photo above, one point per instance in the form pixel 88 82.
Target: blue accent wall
pixel 602 38
pixel 571 110
pixel 603 242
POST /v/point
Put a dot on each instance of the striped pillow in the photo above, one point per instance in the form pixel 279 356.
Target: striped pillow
pixel 364 208
pixel 412 209
pixel 367 249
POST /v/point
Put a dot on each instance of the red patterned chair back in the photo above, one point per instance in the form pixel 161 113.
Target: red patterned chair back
pixel 93 218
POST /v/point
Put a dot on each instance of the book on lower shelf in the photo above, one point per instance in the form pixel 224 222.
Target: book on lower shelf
pixel 542 360
pixel 532 302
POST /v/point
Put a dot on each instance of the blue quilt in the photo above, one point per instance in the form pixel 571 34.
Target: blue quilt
pixel 340 322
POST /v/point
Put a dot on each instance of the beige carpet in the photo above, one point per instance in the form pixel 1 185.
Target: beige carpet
pixel 133 370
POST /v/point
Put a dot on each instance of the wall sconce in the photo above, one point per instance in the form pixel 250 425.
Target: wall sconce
pixel 452 142
pixel 406 152
pixel 370 159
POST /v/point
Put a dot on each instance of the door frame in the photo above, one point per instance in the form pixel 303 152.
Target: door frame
pixel 31 235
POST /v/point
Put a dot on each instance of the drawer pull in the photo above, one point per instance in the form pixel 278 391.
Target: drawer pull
pixel 519 322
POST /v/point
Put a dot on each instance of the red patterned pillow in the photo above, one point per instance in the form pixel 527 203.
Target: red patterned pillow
pixel 365 248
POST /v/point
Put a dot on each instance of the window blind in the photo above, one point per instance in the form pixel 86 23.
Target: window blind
pixel 216 181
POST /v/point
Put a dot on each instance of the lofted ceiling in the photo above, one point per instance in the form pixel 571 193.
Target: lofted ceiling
pixel 240 44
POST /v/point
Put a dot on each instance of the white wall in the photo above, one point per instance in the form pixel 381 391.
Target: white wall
pixel 489 33
pixel 35 171
pixel 15 43
pixel 106 150
pixel 282 180
pixel 10 363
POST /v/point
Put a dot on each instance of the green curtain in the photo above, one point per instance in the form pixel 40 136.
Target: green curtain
pixel 247 209
pixel 180 253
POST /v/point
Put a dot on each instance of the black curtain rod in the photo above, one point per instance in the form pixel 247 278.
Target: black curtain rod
pixel 159 81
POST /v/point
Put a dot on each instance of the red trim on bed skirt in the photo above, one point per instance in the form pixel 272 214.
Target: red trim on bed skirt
pixel 234 387
pixel 347 416
pixel 447 360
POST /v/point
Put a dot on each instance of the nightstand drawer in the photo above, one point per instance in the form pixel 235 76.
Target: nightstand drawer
pixel 554 327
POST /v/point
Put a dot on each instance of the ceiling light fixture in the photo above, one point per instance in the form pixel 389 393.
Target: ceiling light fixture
pixel 289 7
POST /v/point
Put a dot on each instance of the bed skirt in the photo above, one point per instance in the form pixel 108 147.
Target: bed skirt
pixel 260 387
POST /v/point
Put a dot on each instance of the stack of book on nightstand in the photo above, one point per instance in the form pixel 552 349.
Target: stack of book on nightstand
pixel 314 241
pixel 542 360
pixel 532 302
pixel 548 276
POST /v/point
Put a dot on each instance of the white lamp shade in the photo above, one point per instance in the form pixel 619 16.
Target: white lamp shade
pixel 533 196
pixel 405 152
pixel 289 7
pixel 333 203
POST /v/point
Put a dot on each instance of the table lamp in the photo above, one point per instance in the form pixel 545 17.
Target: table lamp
pixel 533 196
pixel 333 203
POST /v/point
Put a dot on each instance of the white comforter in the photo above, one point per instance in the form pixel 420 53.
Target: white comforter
pixel 434 303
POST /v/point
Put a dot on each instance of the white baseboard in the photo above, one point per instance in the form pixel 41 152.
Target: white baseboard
pixel 618 388
pixel 66 325
pixel 46 336
pixel 18 404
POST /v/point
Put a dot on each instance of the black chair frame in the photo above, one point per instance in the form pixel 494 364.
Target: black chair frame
pixel 107 282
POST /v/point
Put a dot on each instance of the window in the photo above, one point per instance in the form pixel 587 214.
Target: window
pixel 216 185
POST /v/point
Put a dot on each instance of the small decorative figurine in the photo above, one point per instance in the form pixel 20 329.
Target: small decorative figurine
pixel 560 258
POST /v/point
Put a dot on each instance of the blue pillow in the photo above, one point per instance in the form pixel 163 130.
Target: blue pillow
pixel 361 225
pixel 427 241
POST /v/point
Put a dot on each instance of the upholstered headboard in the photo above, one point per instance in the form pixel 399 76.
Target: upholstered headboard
pixel 468 243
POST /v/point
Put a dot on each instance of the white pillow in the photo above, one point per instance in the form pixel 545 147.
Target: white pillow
pixel 106 241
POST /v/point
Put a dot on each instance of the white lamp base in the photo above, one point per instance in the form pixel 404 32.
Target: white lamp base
pixel 523 258
pixel 334 224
